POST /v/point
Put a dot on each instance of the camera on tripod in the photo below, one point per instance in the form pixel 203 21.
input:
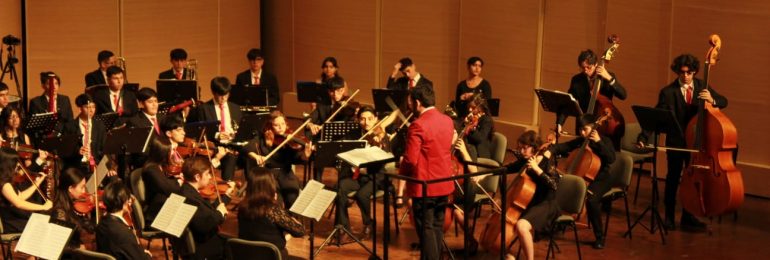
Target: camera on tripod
pixel 11 40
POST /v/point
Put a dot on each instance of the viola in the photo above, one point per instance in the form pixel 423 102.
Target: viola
pixel 217 186
pixel 296 142
pixel 711 185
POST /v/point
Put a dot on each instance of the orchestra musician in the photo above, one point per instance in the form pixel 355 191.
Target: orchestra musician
pixel 115 98
pixel 115 234
pixel 148 99
pixel 204 225
pixel 428 157
pixel 602 183
pixel 93 133
pixel 160 176
pixel 329 70
pixel 582 84
pixel 274 131
pixel 228 114
pixel 71 187
pixel 15 207
pixel 543 208
pixel 257 76
pixel 336 89
pixel 410 77
pixel 680 97
pixel 361 181
pixel 3 96
pixel 99 76
pixel 479 138
pixel 178 71
pixel 471 86
pixel 61 106
pixel 261 217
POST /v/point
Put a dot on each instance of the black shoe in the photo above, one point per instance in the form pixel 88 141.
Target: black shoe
pixel 367 232
pixel 599 243
pixel 692 224
pixel 669 224
pixel 473 247
pixel 344 239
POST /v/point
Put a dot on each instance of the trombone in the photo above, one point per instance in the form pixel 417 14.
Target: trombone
pixel 192 69
pixel 121 63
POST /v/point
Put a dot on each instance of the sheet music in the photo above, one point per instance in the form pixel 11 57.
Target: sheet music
pixel 174 215
pixel 43 239
pixel 313 200
pixel 357 157
pixel 98 176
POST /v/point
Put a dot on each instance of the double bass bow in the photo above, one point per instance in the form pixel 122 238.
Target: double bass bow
pixel 615 126
pixel 711 184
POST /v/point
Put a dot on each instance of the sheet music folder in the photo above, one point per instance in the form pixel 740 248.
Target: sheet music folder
pixel 555 101
pixel 309 91
pixel 174 215
pixel 43 239
pixel 364 156
pixel 313 200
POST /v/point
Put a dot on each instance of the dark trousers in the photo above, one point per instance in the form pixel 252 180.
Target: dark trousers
pixel 363 187
pixel 288 186
pixel 228 165
pixel 594 203
pixel 676 162
pixel 429 221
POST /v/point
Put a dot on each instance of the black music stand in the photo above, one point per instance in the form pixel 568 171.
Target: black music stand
pixel 195 129
pixel 308 92
pixel 398 97
pixel 333 131
pixel 494 106
pixel 250 95
pixel 326 156
pixel 175 91
pixel 108 119
pixel 558 102
pixel 91 90
pixel 126 141
pixel 63 146
pixel 131 87
pixel 657 121
pixel 40 125
pixel 250 126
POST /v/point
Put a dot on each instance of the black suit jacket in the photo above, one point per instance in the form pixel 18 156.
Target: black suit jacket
pixel 671 98
pixel 267 79
pixel 580 88
pixel 204 225
pixel 402 83
pixel 207 112
pixel 113 237
pixel 95 78
pixel 98 132
pixel 169 74
pixel 39 105
pixel 104 102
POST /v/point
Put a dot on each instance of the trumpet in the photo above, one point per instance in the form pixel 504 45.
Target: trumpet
pixel 192 69
pixel 121 62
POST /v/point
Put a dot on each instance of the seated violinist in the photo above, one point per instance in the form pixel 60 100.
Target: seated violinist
pixel 478 138
pixel 361 181
pixel 294 152
pixel 261 217
pixel 204 225
pixel 93 133
pixel 115 234
pixel 13 136
pixel 228 114
pixel 602 147
pixel 336 89
pixel 17 188
pixel 70 190
pixel 161 175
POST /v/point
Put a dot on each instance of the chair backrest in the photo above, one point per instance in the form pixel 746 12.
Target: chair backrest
pixel 237 248
pixel 571 193
pixel 185 244
pixel 490 182
pixel 83 254
pixel 499 144
pixel 137 215
pixel 621 170
pixel 628 141
pixel 137 185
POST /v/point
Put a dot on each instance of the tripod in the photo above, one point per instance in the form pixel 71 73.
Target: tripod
pixel 10 67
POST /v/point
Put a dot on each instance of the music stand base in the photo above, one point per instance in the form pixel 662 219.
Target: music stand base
pixel 338 229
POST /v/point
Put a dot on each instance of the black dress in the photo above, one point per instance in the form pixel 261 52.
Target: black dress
pixel 158 188
pixel 543 208
pixel 461 106
pixel 281 166
pixel 479 139
pixel 270 228
pixel 14 219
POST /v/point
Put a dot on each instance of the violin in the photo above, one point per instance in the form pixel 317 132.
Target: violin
pixel 25 151
pixel 172 170
pixel 86 203
pixel 295 142
pixel 189 147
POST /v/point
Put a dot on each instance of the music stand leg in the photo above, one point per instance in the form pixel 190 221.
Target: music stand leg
pixel 656 221
pixel 339 229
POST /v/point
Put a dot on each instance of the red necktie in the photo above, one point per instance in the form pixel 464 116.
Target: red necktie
pixel 688 96
pixel 51 104
pixel 256 80
pixel 222 117
pixel 87 143
pixel 356 173
pixel 411 83
pixel 118 107
pixel 155 124
pixel 178 75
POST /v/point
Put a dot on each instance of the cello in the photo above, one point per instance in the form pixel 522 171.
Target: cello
pixel 711 184
pixel 615 126
pixel 583 162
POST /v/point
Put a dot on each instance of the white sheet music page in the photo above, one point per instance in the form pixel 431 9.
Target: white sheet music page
pixel 306 197
pixel 98 176
pixel 320 203
pixel 43 239
pixel 357 157
pixel 174 215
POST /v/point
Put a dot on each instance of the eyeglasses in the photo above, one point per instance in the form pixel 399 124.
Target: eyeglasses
pixel 688 72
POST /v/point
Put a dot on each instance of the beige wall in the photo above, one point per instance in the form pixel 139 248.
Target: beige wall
pixel 66 37
pixel 368 37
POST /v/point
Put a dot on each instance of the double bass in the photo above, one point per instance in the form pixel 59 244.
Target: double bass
pixel 711 185
pixel 615 126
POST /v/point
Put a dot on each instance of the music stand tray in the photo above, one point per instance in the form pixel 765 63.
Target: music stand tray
pixel 41 123
pixel 309 91
pixel 399 97
pixel 250 126
pixel 175 91
pixel 555 101
pixel 326 153
pixel 108 119
pixel 63 146
pixel 127 140
pixel 336 130
pixel 250 95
